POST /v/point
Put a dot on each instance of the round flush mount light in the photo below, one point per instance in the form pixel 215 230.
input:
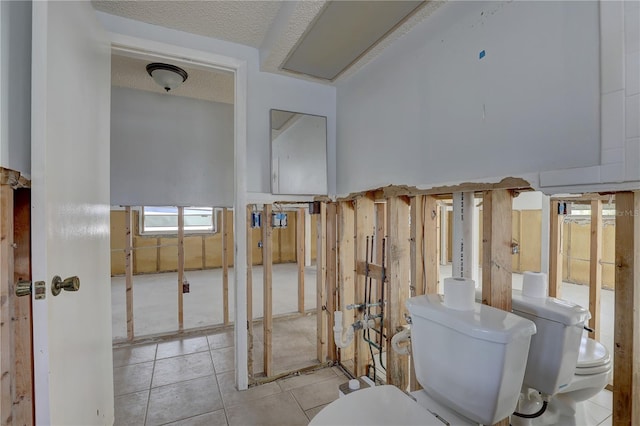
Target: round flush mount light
pixel 167 76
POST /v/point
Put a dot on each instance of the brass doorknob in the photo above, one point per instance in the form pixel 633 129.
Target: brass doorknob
pixel 69 284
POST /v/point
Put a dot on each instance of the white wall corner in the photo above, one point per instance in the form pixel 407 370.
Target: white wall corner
pixel 612 120
pixel 612 173
pixel 611 46
pixel 632 73
pixel 632 159
pixel 570 177
pixel 632 116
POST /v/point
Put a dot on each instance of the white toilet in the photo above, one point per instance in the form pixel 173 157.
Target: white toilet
pixel 471 364
pixel 563 363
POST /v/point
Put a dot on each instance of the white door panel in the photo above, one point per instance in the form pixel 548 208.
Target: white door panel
pixel 70 217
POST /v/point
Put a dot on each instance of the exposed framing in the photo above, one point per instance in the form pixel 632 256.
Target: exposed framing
pixel 7 338
pixel 180 268
pixel 128 268
pixel 398 290
pixel 331 277
pixel 16 349
pixel 595 268
pixel 249 292
pixel 300 255
pixel 626 374
pixel 321 282
pixel 364 227
pixel 555 250
pixel 496 249
pixel 346 271
pixel 226 243
pixel 267 298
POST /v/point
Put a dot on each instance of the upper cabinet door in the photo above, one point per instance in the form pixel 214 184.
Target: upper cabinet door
pixel 71 66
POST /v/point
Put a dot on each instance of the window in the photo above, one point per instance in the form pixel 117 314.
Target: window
pixel 164 220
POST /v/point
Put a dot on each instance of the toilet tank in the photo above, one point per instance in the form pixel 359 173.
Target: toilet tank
pixel 471 361
pixel 554 349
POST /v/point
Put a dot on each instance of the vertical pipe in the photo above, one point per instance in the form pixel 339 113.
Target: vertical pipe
pixel 463 236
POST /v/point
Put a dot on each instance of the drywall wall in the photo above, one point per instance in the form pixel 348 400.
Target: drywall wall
pixel 169 150
pixel 433 108
pixel 265 91
pixel 15 85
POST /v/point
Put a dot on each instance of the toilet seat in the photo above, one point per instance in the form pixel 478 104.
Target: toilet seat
pixel 593 358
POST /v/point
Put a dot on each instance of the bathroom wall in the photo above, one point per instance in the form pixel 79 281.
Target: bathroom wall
pixel 478 90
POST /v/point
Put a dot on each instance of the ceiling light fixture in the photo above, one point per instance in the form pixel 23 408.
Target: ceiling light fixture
pixel 167 76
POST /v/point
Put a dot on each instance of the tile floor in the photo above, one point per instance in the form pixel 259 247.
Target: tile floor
pixel 191 382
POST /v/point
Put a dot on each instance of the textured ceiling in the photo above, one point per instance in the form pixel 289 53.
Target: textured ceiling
pixel 244 22
pixel 216 86
pixel 275 27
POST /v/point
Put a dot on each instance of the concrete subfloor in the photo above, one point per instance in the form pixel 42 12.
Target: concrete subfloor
pixel 155 304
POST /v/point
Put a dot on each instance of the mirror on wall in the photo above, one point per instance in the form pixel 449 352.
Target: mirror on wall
pixel 298 153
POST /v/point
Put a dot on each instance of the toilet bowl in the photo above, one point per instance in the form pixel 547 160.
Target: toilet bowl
pixel 592 373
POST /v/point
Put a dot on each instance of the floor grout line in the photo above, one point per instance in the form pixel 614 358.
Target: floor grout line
pixel 153 371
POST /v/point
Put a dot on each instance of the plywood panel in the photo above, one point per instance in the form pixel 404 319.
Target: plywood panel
pixel 169 254
pixel 145 260
pixel 213 251
pixel 530 240
pixel 193 252
pixel 118 241
pixel 608 255
pixel 579 244
pixel 515 237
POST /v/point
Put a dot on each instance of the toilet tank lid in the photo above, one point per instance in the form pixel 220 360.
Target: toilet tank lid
pixel 483 322
pixel 550 308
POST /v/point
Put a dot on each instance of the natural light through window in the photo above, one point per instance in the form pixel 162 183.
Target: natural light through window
pixel 164 220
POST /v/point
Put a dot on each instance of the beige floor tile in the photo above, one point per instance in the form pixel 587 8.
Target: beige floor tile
pixel 131 409
pixel 217 418
pixel 180 368
pixel 306 379
pixel 182 347
pixel 604 399
pixel 280 409
pixel 183 400
pixel 232 397
pixel 223 359
pixel 132 378
pixel 133 355
pixel 221 340
pixel 311 413
pixel 316 394
pixel 607 422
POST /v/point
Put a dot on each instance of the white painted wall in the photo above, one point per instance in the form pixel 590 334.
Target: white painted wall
pixel 15 85
pixel 265 91
pixel 170 150
pixel 299 157
pixel 531 200
pixel 428 111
